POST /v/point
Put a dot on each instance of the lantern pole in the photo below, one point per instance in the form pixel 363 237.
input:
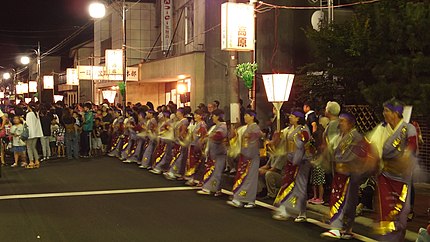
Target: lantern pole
pixel 278 106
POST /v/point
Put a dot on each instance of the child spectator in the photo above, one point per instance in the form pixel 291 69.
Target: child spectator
pixel 59 138
pixel 96 137
pixel 5 140
pixel 18 145
pixel 53 140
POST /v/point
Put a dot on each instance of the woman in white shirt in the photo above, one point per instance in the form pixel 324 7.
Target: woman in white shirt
pixel 32 120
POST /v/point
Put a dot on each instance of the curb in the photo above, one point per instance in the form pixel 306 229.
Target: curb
pixel 367 222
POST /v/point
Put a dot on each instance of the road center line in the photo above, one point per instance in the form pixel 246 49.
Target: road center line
pixel 92 193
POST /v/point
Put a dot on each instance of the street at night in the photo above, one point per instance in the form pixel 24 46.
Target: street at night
pixel 60 203
pixel 214 120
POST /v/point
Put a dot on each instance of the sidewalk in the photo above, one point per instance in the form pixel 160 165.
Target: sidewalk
pixel 422 203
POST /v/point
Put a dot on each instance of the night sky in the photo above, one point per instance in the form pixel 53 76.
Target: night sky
pixel 25 22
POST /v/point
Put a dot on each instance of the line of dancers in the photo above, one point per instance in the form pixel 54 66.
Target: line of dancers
pixel 184 148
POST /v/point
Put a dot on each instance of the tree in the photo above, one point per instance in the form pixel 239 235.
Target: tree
pixel 383 51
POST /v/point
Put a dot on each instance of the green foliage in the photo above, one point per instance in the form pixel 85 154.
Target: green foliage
pixel 246 71
pixel 121 86
pixel 381 52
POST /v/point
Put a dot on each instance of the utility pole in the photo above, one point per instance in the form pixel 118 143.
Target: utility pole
pixel 124 55
pixel 234 86
pixel 39 84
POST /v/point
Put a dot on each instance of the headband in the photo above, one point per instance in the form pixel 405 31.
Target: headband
pixel 348 116
pixel 397 109
pixel 298 114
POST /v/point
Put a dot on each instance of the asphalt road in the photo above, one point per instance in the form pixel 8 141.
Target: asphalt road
pixel 129 215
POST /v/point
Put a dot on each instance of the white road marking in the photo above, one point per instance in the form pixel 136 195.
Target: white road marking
pixel 309 220
pixel 92 193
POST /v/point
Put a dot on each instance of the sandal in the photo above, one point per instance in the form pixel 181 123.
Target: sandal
pixel 30 166
pixel 37 165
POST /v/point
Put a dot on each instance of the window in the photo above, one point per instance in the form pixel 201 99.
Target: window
pixel 189 22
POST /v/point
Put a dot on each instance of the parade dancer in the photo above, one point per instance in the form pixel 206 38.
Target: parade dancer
pixel 129 135
pixel 195 151
pixel 163 152
pixel 152 135
pixel 246 180
pixel 396 141
pixel 351 160
pixel 117 136
pixel 291 198
pixel 141 141
pixel 216 153
pixel 180 147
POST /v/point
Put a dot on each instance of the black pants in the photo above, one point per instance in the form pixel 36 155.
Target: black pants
pixel 85 143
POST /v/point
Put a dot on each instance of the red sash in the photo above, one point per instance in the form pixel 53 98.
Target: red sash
pixel 242 172
pixel 339 189
pixel 392 197
pixel 288 183
pixel 193 161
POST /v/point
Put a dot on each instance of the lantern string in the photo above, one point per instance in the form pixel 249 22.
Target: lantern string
pixel 273 6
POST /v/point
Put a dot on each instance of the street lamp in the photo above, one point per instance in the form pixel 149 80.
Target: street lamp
pixel 6 76
pixel 278 89
pixel 97 10
pixel 25 60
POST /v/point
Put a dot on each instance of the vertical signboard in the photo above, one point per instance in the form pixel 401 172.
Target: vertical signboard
pixel 48 82
pixel 166 23
pixel 237 27
pixel 72 77
pixel 114 62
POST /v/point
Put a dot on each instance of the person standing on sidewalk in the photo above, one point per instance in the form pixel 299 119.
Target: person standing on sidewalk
pixel 87 128
pixel 350 158
pixel 70 135
pixel 45 120
pixel 35 131
pixel 397 144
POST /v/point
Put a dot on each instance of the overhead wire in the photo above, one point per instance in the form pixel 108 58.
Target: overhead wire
pixel 318 7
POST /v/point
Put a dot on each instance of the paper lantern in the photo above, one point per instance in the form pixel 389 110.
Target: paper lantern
pixel 237 27
pixel 58 98
pixel 109 95
pixel 48 82
pixel 278 89
pixel 278 86
pixel 24 88
pixel 72 77
pixel 32 86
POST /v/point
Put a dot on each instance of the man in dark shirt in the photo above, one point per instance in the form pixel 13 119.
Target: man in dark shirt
pixel 310 117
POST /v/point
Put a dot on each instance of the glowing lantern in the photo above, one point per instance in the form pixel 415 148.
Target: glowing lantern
pixel 48 82
pixel 237 27
pixel 58 98
pixel 278 89
pixel 114 62
pixel 109 95
pixel 32 86
pixel 24 88
pixel 72 77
